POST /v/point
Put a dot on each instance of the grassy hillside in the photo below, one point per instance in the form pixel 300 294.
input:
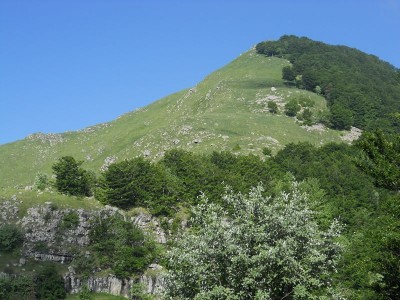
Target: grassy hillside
pixel 226 111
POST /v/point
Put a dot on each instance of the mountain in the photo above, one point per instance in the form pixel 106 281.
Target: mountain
pixel 226 111
pixel 281 98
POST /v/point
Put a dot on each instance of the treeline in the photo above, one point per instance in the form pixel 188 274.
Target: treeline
pixel 361 90
pixel 359 187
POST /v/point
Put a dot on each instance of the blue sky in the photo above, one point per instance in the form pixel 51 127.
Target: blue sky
pixel 69 64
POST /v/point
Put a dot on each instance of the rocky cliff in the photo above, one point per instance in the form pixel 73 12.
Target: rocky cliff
pixel 57 235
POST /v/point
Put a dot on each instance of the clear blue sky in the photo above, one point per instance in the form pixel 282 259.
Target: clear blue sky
pixel 69 64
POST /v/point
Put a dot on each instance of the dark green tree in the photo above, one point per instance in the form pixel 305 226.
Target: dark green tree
pixel 136 182
pixel 288 73
pixel 272 107
pixel 10 237
pixel 49 284
pixel 307 116
pixel 292 108
pixel 380 158
pixel 341 118
pixel 71 179
pixel 120 245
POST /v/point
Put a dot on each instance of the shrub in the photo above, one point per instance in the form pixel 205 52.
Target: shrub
pixel 10 237
pixel 70 220
pixel 49 284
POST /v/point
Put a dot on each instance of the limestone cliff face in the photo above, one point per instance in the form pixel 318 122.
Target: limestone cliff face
pixel 152 282
pixel 49 237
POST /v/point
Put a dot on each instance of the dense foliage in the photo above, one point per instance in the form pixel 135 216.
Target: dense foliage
pixel 71 179
pixel 45 284
pixel 260 248
pixel 381 158
pixel 361 90
pixel 119 245
pixel 10 237
pixel 179 179
pixel 371 214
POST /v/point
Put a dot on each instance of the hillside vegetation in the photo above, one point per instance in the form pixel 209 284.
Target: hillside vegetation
pixel 361 89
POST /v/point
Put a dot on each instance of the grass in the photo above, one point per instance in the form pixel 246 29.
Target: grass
pixel 28 198
pixel 224 110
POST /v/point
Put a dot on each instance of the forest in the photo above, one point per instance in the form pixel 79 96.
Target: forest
pixel 361 90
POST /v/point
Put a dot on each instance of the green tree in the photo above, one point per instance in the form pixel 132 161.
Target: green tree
pixel 85 293
pixel 135 182
pixel 120 245
pixel 41 181
pixel 292 108
pixel 49 284
pixel 341 117
pixel 288 73
pixel 272 107
pixel 71 179
pixel 260 248
pixel 307 116
pixel 10 237
pixel 380 158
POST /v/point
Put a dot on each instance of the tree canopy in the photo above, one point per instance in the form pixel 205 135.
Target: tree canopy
pixel 363 84
pixel 260 248
pixel 71 179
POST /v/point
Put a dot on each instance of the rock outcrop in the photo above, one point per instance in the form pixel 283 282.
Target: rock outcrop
pixel 152 281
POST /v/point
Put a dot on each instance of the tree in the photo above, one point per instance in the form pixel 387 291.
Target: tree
pixel 49 284
pixel 341 117
pixel 380 158
pixel 71 179
pixel 292 108
pixel 134 182
pixel 307 116
pixel 10 237
pixel 288 73
pixel 272 107
pixel 258 248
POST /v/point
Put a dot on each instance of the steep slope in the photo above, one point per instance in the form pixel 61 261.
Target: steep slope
pixel 226 111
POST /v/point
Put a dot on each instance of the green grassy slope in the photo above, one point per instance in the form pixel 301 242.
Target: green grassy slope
pixel 226 111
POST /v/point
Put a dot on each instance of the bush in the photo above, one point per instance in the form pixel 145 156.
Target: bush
pixel 49 284
pixel 121 246
pixel 10 237
pixel 70 221
pixel 292 108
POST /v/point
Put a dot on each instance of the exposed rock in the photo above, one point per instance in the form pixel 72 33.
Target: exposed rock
pixel 107 162
pixel 185 129
pixel 352 135
pixel 109 284
pixel 50 138
pixel 315 127
pixel 152 280
pixel 148 223
pixel 9 210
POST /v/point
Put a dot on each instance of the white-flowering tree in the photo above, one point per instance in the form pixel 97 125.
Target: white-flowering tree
pixel 259 248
